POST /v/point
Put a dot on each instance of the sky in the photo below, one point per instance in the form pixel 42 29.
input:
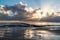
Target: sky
pixel 31 3
pixel 52 4
pixel 18 8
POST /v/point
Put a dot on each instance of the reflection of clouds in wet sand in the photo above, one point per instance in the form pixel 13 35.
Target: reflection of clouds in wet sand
pixel 41 35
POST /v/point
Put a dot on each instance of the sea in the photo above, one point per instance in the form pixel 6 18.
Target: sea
pixel 31 33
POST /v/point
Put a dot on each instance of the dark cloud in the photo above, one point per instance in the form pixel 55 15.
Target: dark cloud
pixel 51 19
pixel 16 12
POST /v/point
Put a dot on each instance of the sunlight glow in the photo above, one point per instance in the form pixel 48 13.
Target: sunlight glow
pixel 47 11
pixel 28 33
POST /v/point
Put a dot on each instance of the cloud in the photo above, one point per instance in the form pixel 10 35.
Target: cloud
pixel 16 12
pixel 21 11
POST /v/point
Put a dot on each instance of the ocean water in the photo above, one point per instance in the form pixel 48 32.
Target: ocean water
pixel 32 33
pixel 52 34
pixel 47 36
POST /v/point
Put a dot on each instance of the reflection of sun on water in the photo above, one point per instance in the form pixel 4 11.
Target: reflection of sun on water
pixel 41 23
pixel 29 34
